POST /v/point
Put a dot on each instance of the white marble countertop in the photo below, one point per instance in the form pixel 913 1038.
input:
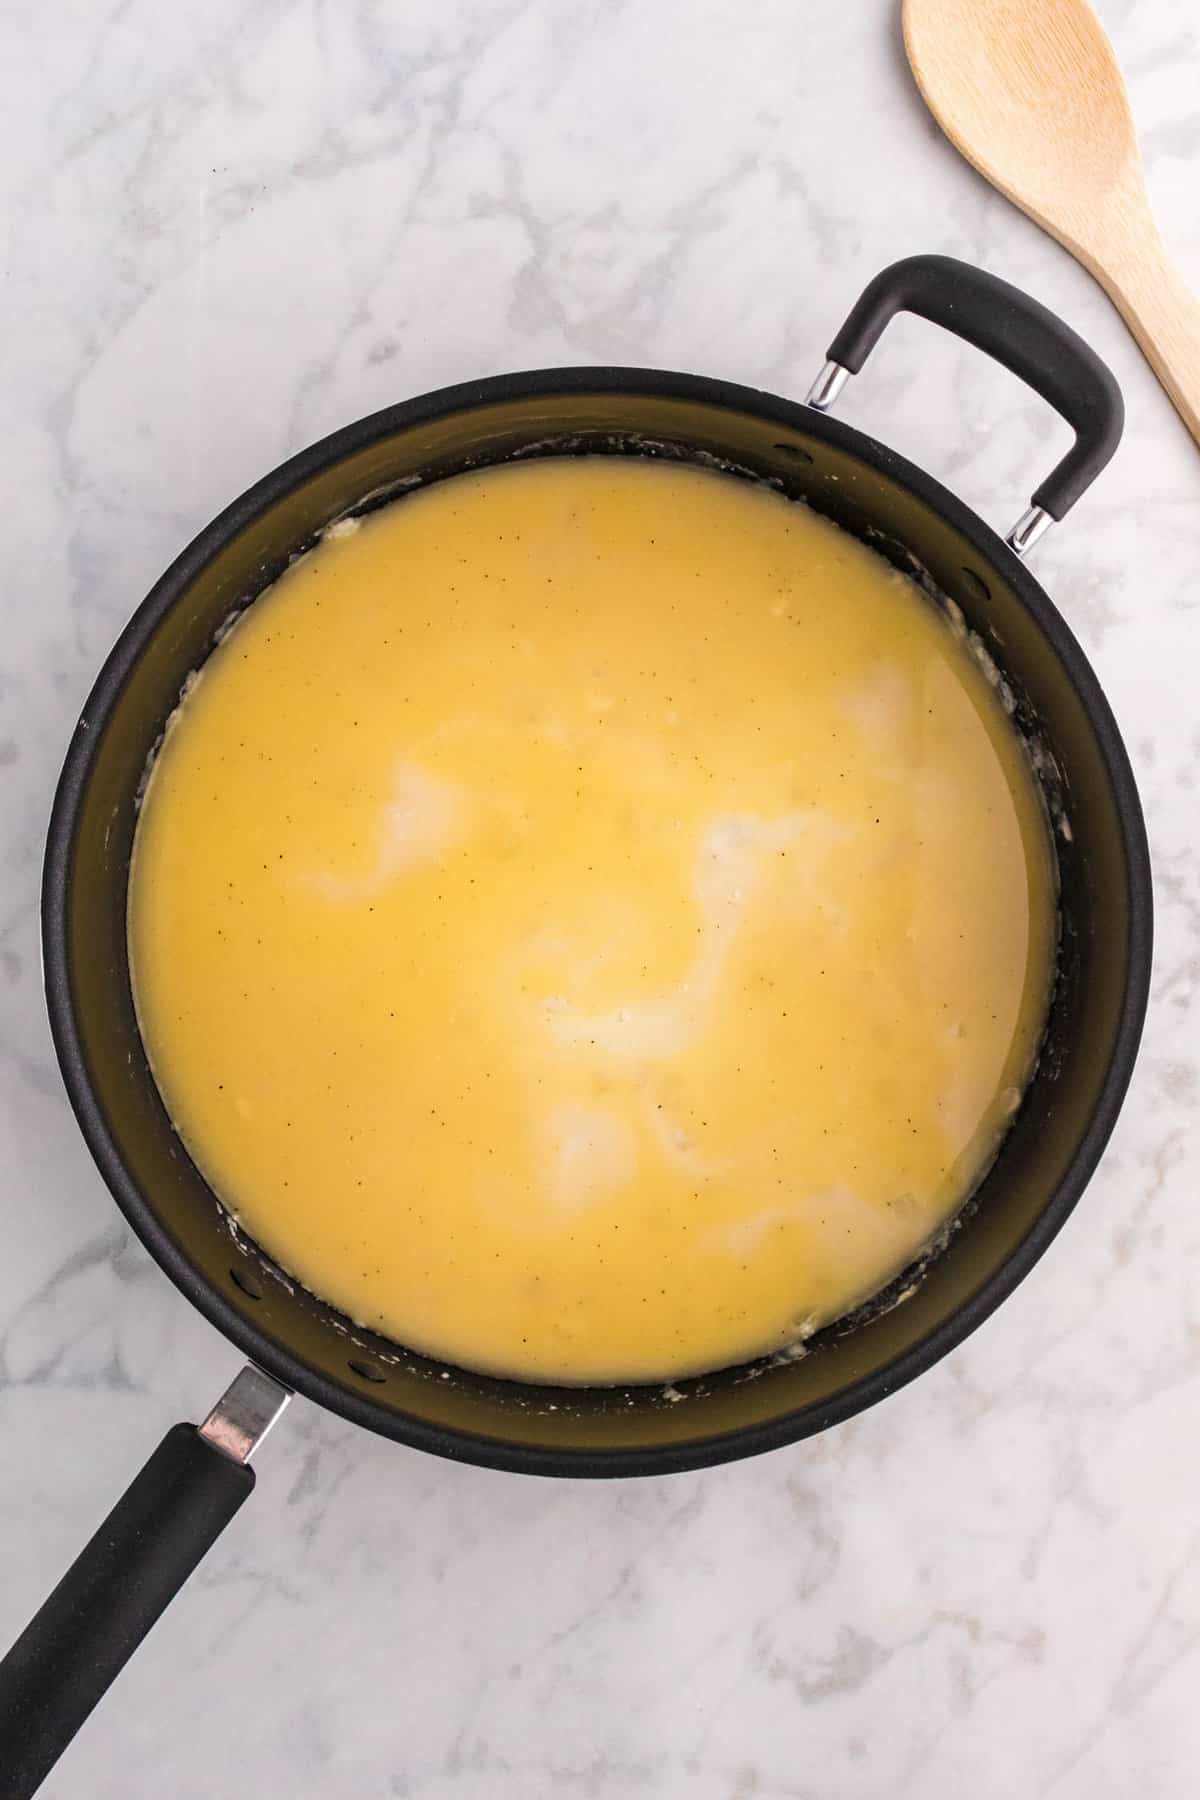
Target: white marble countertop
pixel 231 227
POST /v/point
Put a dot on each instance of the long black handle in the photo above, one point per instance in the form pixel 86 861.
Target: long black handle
pixel 1005 323
pixel 172 1512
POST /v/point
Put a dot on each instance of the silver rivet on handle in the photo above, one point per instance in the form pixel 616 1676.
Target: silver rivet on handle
pixel 1033 523
pixel 828 385
pixel 245 1413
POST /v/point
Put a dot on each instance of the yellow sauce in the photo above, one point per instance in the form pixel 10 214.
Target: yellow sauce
pixel 593 921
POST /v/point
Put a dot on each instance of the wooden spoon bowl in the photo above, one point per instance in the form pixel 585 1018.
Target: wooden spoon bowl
pixel 1030 92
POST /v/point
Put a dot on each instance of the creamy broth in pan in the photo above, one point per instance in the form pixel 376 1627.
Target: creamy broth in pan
pixel 592 921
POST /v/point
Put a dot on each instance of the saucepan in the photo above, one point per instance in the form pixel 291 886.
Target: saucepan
pixel 199 1476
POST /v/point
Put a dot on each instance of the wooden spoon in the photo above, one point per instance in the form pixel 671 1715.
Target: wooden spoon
pixel 1029 91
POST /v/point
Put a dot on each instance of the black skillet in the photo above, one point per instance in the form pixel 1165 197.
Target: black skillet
pixel 197 1478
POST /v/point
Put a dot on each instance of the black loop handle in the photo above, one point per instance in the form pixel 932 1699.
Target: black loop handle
pixel 1018 332
pixel 69 1653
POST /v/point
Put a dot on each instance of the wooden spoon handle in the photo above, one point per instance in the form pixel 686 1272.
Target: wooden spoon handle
pixel 1164 316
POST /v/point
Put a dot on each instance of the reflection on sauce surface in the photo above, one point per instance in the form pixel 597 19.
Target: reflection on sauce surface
pixel 592 922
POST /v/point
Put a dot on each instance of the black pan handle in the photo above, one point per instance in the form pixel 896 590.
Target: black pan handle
pixel 170 1515
pixel 1018 332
